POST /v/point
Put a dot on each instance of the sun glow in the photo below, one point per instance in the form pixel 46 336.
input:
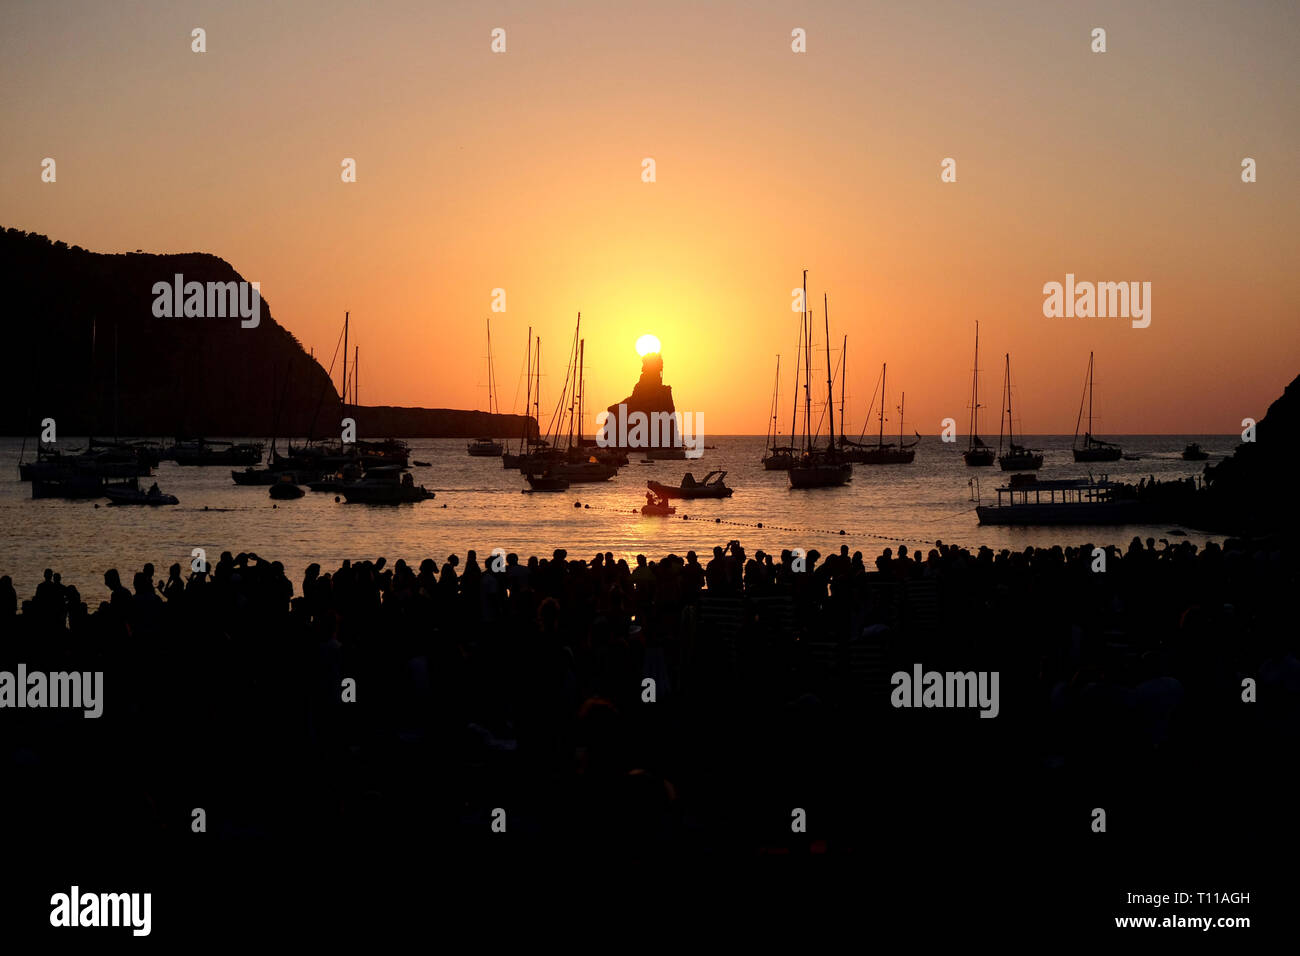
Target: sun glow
pixel 647 345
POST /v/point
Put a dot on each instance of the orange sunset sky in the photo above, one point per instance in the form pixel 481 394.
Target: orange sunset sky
pixel 522 171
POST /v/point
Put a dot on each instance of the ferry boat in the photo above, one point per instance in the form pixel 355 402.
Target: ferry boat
pixel 1029 501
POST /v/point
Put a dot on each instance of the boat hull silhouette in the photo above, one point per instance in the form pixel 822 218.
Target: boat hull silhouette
pixel 1112 453
pixel 823 474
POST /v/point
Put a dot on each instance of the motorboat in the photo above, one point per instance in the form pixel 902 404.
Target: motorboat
pixel 712 486
pixel 385 486
pixel 134 496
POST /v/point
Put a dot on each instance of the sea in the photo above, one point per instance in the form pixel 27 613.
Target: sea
pixel 481 506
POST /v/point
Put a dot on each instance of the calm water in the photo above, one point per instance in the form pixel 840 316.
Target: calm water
pixel 479 506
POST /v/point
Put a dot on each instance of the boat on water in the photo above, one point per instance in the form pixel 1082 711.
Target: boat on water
pixel 977 453
pixel 880 453
pixel 79 485
pixel 530 446
pixel 488 447
pixel 777 457
pixel 286 489
pixel 134 496
pixel 1081 501
pixel 580 462
pixel 657 505
pixel 1017 457
pixel 1194 452
pixel 146 453
pixel 1092 449
pixel 51 463
pixel 385 486
pixel 583 471
pixel 421 464
pixel 334 481
pixel 817 467
pixel 202 451
pixel 547 482
pixel 712 486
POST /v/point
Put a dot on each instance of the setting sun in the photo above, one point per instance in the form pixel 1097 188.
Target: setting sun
pixel 647 345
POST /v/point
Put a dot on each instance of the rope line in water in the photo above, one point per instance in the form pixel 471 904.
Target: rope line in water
pixel 895 539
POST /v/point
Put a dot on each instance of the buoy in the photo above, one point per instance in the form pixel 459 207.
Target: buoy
pixel 841 531
pixel 760 524
pixel 588 507
pixel 577 504
pixel 336 499
pixel 717 521
pixel 96 504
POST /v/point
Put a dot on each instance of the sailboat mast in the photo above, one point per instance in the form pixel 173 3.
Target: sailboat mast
pixel 1089 394
pixel 116 393
pixel 901 399
pixel 844 377
pixel 537 395
pixel 356 373
pixel 794 404
pixel 345 358
pixel 880 441
pixel 576 423
pixel 528 388
pixel 1011 422
pixel 776 391
pixel 975 391
pixel 830 388
pixel 805 331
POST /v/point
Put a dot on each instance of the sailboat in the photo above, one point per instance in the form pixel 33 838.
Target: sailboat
pixel 880 453
pixel 529 443
pixel 818 468
pixel 487 447
pixel 1092 449
pixel 778 457
pixel 552 468
pixel 1018 457
pixel 977 454
pixel 581 463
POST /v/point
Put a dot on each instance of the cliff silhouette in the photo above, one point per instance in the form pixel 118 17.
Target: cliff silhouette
pixel 1252 490
pixel 82 319
pixel 650 394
